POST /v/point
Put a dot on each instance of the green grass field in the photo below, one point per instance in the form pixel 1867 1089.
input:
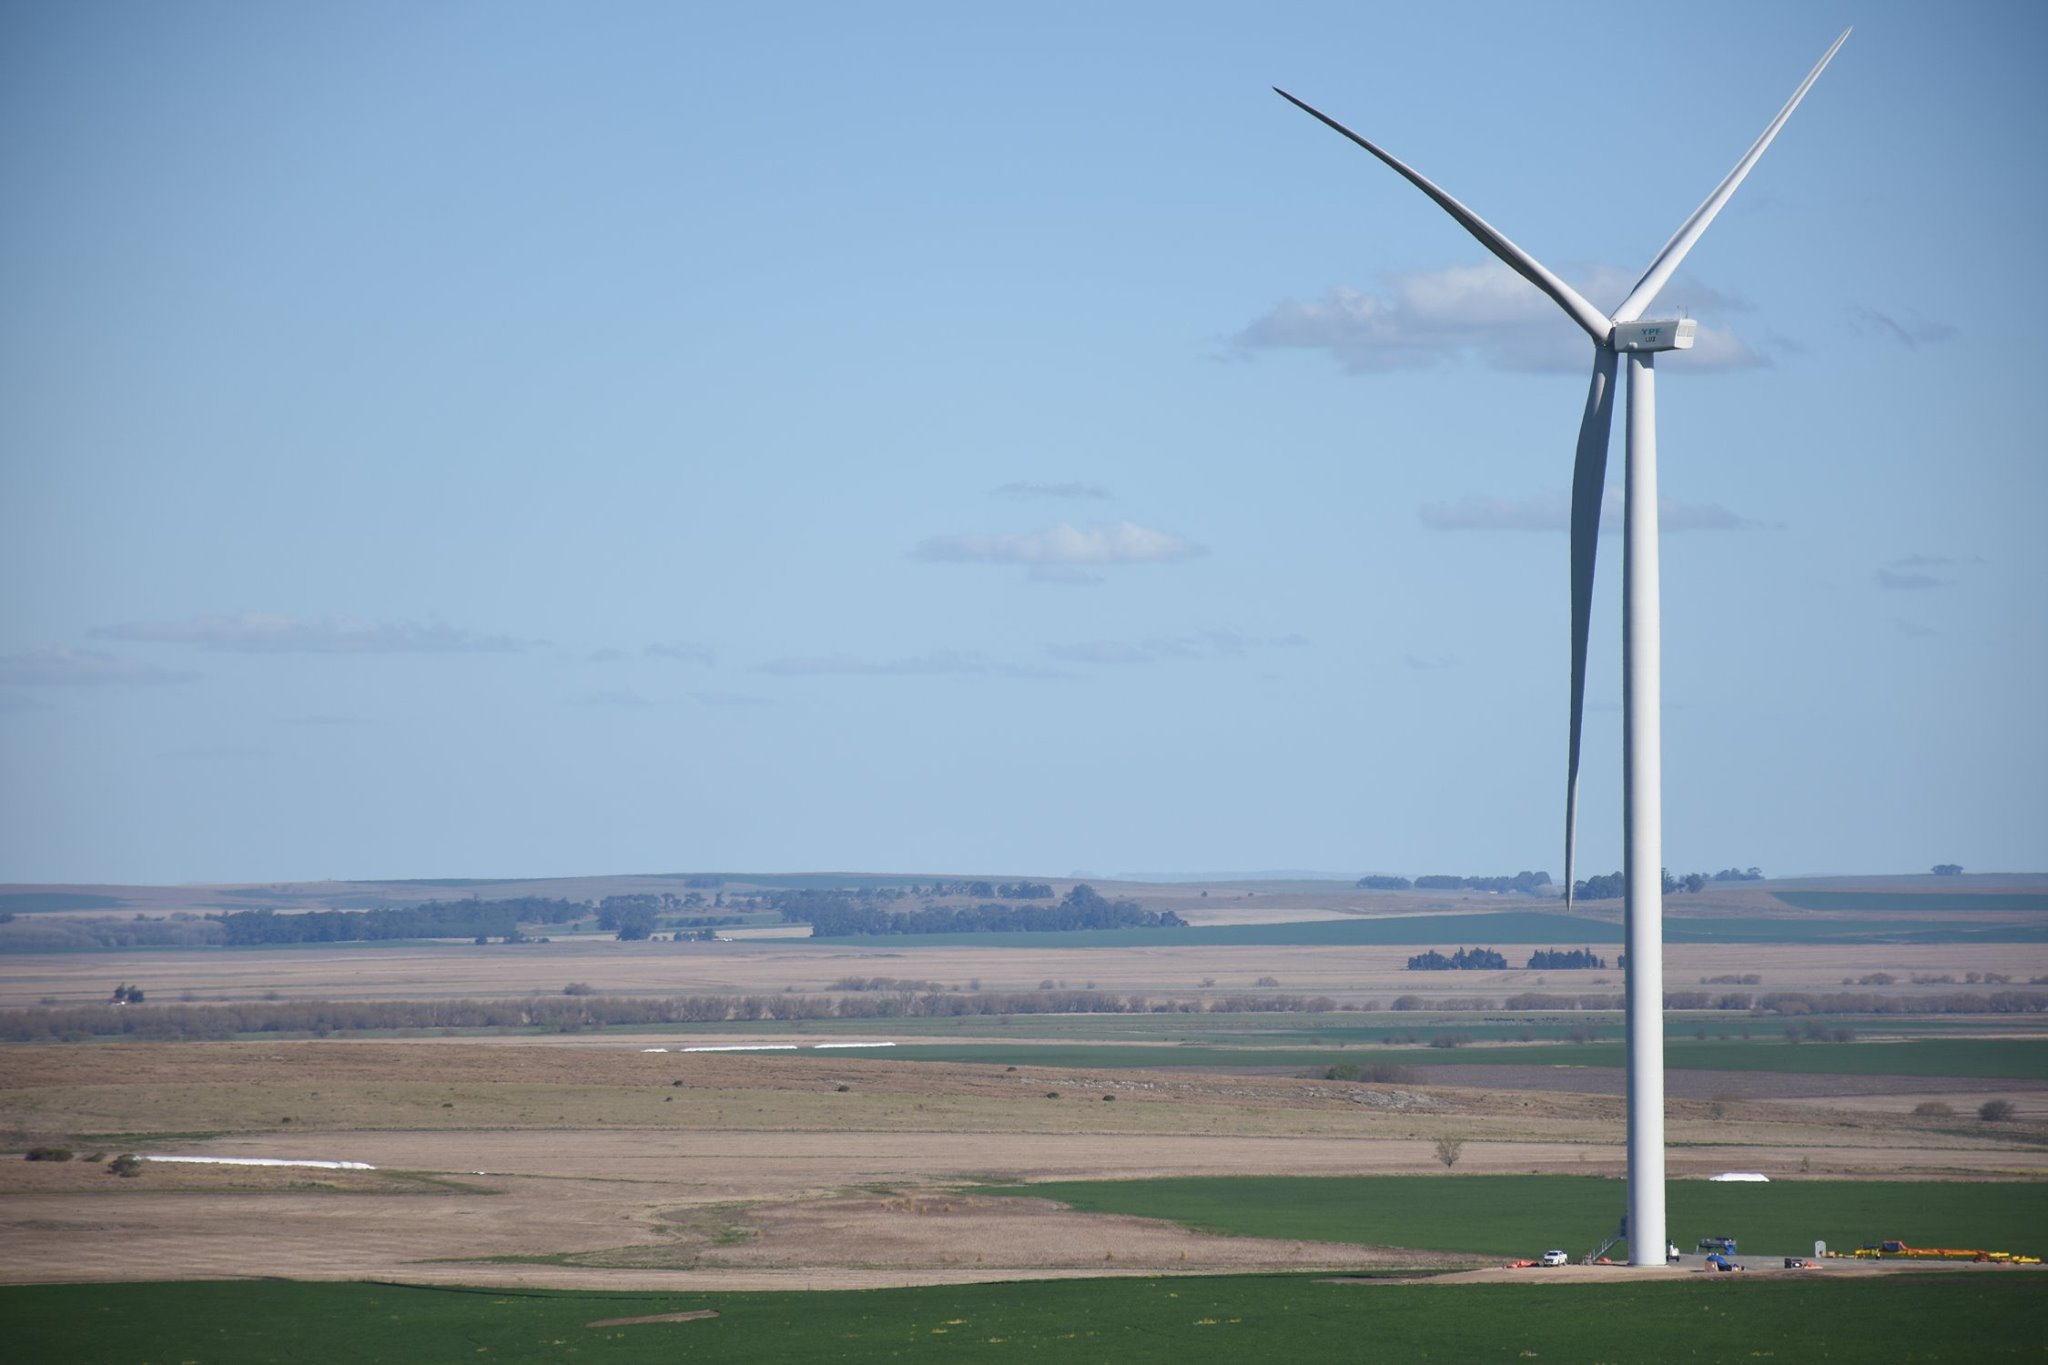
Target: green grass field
pixel 1973 1058
pixel 1938 901
pixel 1954 1317
pixel 1493 929
pixel 1521 1215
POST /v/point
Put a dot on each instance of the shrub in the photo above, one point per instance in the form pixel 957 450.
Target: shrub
pixel 1450 1040
pixel 579 988
pixel 1449 1149
pixel 1996 1111
pixel 48 1154
pixel 1934 1109
pixel 127 1164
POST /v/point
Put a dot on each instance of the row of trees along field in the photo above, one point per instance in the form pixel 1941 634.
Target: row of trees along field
pixel 1612 887
pixel 1526 883
pixel 630 917
pixel 1487 960
pixel 1533 883
pixel 838 914
pixel 573 1011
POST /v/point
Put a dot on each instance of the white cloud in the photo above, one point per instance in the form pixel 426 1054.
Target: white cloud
pixel 1424 317
pixel 1025 488
pixel 1061 547
pixel 1553 512
pixel 255 632
pixel 82 668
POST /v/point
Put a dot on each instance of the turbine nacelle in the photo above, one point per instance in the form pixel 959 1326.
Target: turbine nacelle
pixel 1667 334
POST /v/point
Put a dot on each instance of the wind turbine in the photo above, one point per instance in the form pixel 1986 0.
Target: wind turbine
pixel 1624 332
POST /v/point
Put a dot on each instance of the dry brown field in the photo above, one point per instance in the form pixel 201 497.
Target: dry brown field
pixel 582 1160
pixel 1347 974
pixel 622 1167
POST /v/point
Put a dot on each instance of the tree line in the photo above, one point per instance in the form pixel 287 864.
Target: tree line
pixel 568 1013
pixel 1487 960
pixel 836 915
pixel 1614 887
pixel 1526 883
pixel 433 919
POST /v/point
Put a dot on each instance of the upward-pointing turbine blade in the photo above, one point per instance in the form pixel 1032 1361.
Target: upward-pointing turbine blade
pixel 1521 262
pixel 1589 486
pixel 1660 271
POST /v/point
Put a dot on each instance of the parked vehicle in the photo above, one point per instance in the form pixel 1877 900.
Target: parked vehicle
pixel 1724 1245
pixel 1555 1257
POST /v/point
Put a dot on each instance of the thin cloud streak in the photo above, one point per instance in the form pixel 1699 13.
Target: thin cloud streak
pixel 83 668
pixel 938 663
pixel 1199 645
pixel 1025 488
pixel 1553 512
pixel 253 632
pixel 1912 334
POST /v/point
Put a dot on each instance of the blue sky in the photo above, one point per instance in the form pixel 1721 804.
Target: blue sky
pixel 516 439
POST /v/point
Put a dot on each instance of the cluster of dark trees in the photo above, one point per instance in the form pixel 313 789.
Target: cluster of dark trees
pixel 434 919
pixel 839 915
pixel 1948 869
pixel 1487 960
pixel 1464 960
pixel 636 917
pixel 1557 959
pixel 1527 883
pixel 1612 887
pixel 983 890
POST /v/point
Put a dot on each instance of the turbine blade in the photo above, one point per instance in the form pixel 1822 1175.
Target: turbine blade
pixel 1521 262
pixel 1660 271
pixel 1589 485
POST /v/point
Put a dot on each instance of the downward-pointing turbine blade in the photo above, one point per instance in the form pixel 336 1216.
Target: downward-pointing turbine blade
pixel 1521 262
pixel 1645 293
pixel 1589 486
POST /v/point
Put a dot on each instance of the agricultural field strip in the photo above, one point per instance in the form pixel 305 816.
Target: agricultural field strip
pixel 1973 1058
pixel 1510 1215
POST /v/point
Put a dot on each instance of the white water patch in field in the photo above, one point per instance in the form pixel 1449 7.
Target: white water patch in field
pixel 264 1161
pixel 743 1047
pixel 826 1045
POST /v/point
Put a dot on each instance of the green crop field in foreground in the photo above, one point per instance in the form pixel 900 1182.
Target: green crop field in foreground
pixel 1521 1215
pixel 1929 1317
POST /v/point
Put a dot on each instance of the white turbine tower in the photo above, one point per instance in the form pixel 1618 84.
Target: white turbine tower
pixel 1623 333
